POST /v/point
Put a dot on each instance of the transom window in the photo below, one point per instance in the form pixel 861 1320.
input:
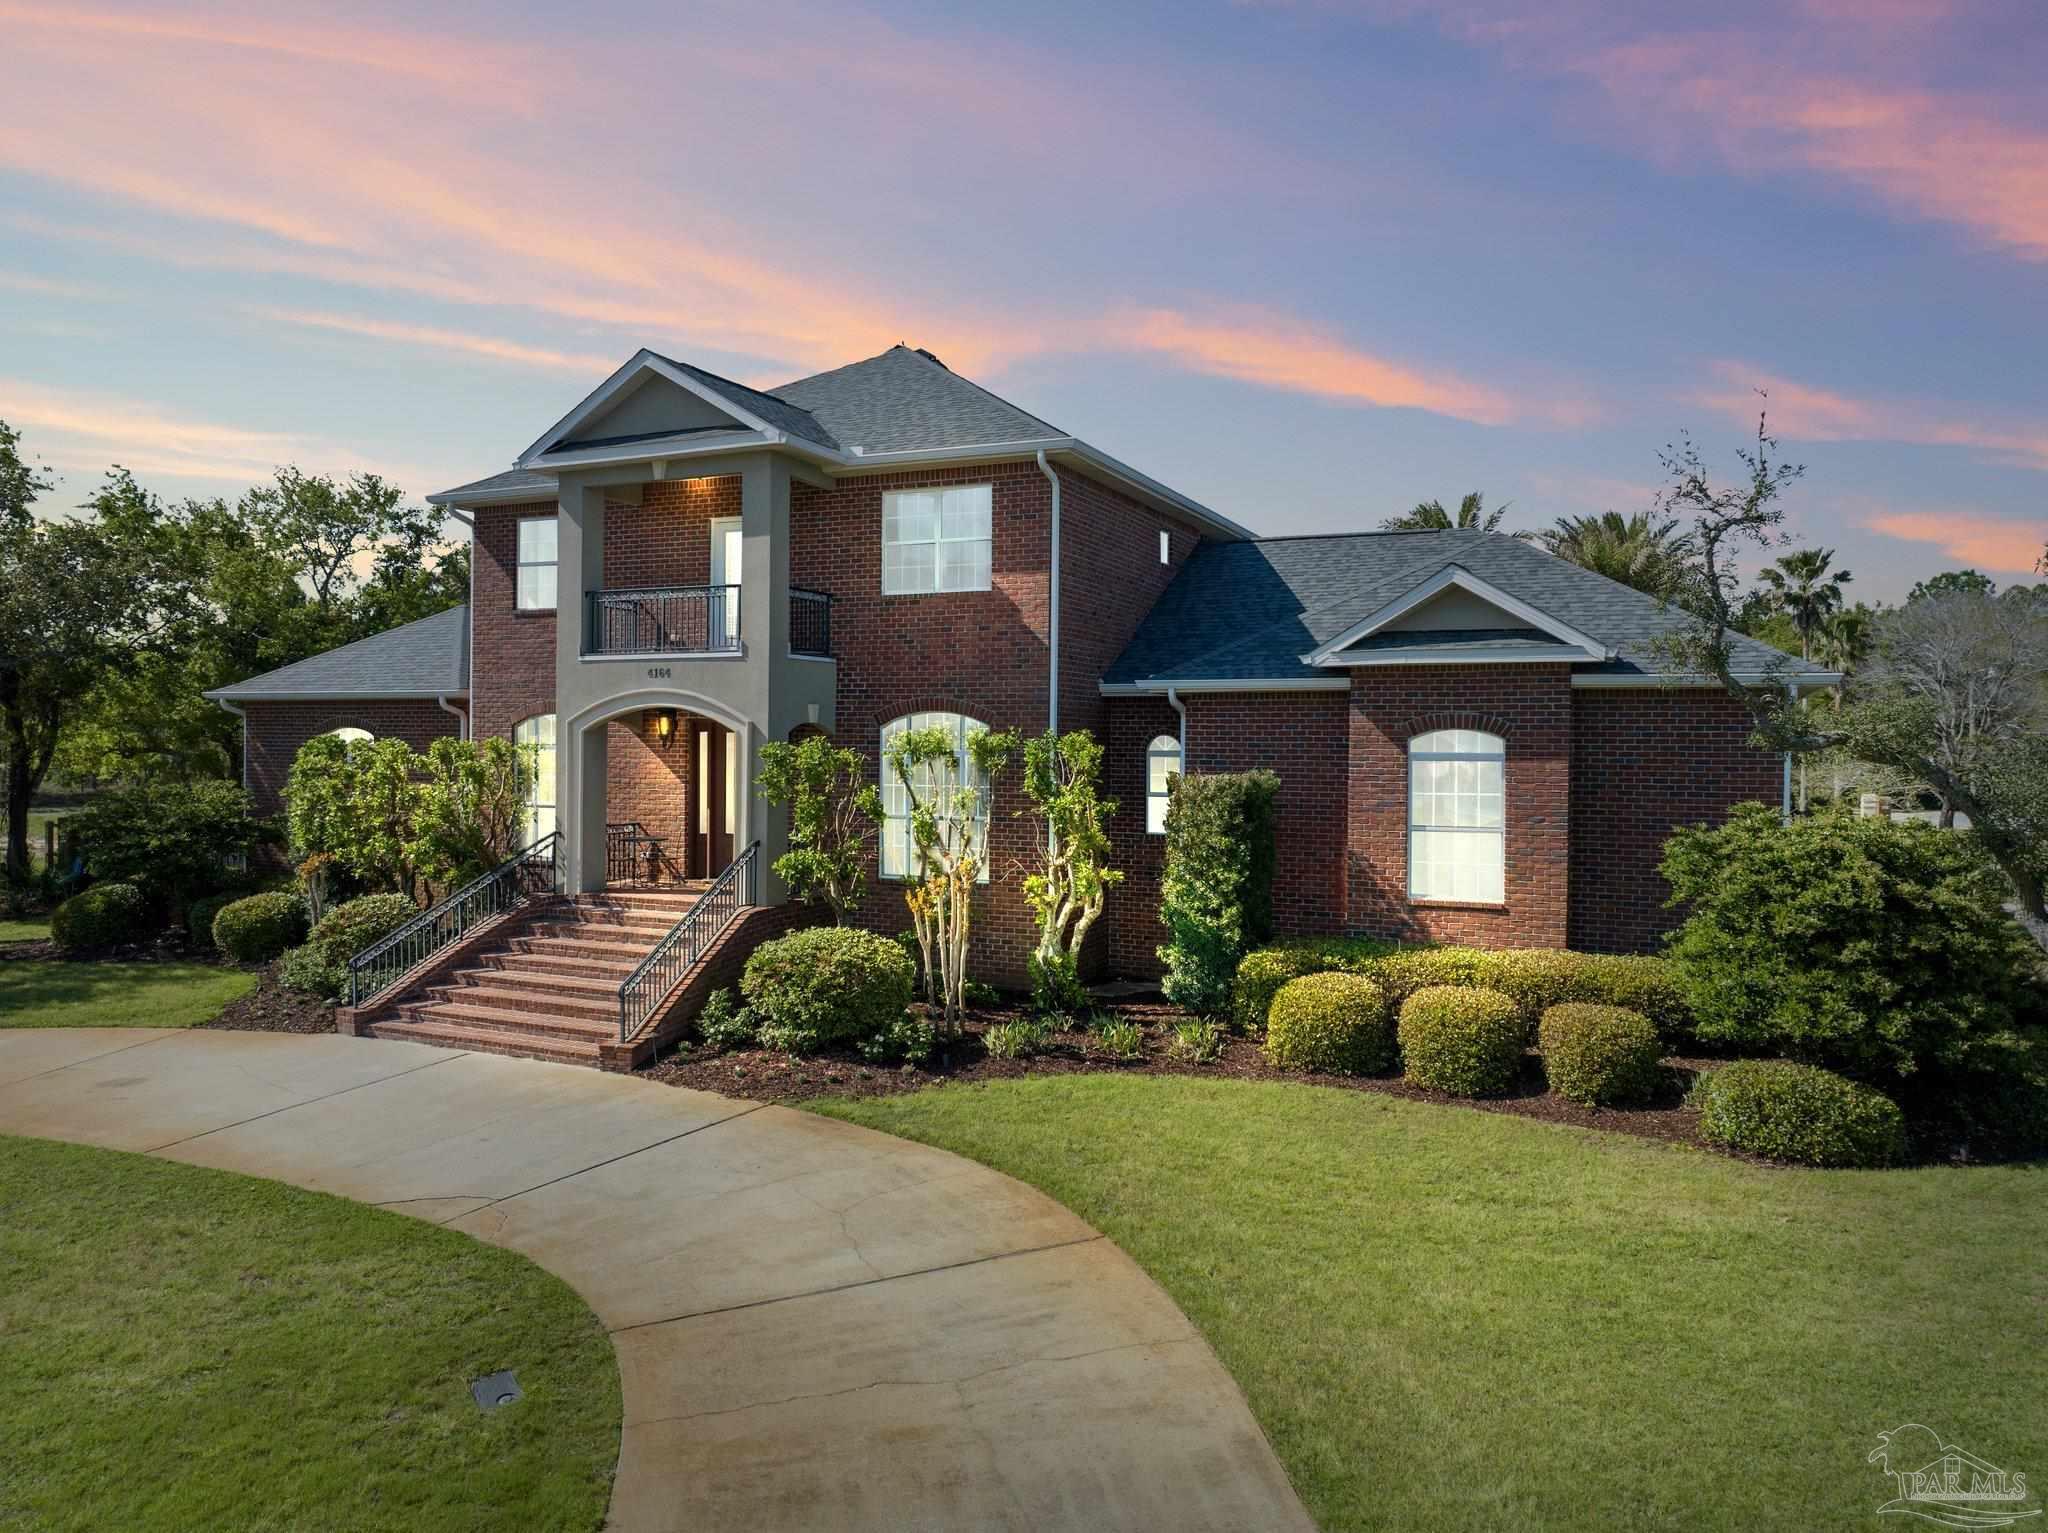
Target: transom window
pixel 1456 825
pixel 348 734
pixel 538 538
pixel 936 540
pixel 538 735
pixel 1162 763
pixel 899 853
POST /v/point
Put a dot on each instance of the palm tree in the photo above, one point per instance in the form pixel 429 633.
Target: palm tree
pixel 1430 516
pixel 1805 589
pixel 1844 638
pixel 1636 550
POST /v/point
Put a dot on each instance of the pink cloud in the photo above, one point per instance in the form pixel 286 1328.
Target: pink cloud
pixel 1970 538
pixel 455 342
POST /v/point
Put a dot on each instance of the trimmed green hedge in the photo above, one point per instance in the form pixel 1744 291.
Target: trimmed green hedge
pixel 1216 893
pixel 199 918
pixel 826 985
pixel 1335 1023
pixel 105 915
pixel 1261 972
pixel 321 966
pixel 1600 1056
pixel 1461 1039
pixel 1787 1111
pixel 260 927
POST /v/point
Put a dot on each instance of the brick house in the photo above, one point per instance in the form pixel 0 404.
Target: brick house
pixel 1474 739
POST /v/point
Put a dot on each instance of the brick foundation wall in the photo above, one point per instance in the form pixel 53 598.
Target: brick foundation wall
pixel 277 730
pixel 1529 706
pixel 1645 762
pixel 512 659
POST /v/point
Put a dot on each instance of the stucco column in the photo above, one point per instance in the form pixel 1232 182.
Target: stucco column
pixel 764 630
pixel 579 762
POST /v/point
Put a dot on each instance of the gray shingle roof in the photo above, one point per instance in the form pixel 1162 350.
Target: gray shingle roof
pixel 427 658
pixel 906 400
pixel 1240 611
pixel 511 482
pixel 774 408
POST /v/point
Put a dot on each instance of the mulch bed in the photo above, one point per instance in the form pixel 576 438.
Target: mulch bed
pixel 765 1075
pixel 270 1008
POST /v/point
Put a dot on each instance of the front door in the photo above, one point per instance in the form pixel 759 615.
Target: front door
pixel 725 579
pixel 715 814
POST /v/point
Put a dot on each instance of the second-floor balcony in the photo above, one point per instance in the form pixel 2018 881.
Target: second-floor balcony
pixel 694 620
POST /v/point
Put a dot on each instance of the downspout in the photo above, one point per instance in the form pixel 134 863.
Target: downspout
pixel 462 719
pixel 238 713
pixel 1052 700
pixel 1181 708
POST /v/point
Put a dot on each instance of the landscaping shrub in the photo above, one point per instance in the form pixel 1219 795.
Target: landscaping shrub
pixel 103 916
pixel 1119 1039
pixel 1197 1039
pixel 1262 972
pixel 199 918
pixel 826 985
pixel 172 840
pixel 1216 894
pixel 1874 947
pixel 1016 1040
pixel 907 1038
pixel 1403 972
pixel 1788 1111
pixel 1338 1024
pixel 259 927
pixel 1647 985
pixel 1462 1040
pixel 724 1024
pixel 1600 1056
pixel 1056 988
pixel 321 966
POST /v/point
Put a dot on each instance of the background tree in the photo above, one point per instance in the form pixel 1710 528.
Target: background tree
pixel 331 530
pixel 1640 550
pixel 949 810
pixel 1949 582
pixel 1063 781
pixel 20 484
pixel 834 814
pixel 1431 516
pixel 1910 714
pixel 1804 586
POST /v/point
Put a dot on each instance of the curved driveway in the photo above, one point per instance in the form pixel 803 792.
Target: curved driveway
pixel 818 1326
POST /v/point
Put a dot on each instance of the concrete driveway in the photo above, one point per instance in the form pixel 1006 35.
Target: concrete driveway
pixel 818 1326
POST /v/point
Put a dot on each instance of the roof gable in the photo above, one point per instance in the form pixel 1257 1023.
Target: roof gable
pixel 1463 603
pixel 653 399
pixel 907 400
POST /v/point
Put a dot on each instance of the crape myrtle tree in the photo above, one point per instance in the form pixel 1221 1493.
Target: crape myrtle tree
pixel 834 812
pixel 1955 696
pixel 949 813
pixel 1067 890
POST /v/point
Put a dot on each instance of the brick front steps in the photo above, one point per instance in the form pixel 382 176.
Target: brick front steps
pixel 541 984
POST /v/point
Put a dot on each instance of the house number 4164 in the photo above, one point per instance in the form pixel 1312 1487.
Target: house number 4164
pixel 659 672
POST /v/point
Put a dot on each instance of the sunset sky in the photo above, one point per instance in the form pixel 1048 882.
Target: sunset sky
pixel 1307 262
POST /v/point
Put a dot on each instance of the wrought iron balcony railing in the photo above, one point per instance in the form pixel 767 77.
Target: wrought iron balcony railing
pixel 810 622
pixel 663 620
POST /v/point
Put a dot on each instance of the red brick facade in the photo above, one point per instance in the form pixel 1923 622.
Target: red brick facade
pixel 1644 762
pixel 512 653
pixel 277 730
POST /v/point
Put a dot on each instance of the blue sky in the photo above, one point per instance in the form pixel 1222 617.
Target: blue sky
pixel 1308 262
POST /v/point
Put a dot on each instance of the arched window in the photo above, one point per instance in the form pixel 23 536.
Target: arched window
pixel 348 734
pixel 1456 836
pixel 538 733
pixel 1162 762
pixel 899 856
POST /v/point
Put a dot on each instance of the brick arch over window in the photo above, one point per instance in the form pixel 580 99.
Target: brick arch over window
pixel 923 702
pixel 1487 723
pixel 804 732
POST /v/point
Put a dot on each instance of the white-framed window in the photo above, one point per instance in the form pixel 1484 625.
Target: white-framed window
pixel 538 541
pixel 899 854
pixel 348 734
pixel 1165 546
pixel 538 733
pixel 1162 762
pixel 1456 825
pixel 937 540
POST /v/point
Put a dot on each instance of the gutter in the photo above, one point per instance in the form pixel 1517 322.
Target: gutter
pixel 228 707
pixel 1052 694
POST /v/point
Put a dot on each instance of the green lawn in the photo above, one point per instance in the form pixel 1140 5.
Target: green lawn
pixel 24 931
pixel 1448 1319
pixel 184 1348
pixel 116 994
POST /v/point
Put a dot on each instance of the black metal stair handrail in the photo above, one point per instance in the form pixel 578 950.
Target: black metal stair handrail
pixel 663 620
pixel 731 892
pixel 377 967
pixel 632 852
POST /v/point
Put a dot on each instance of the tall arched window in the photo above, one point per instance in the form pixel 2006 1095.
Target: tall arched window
pixel 538 733
pixel 1162 762
pixel 348 734
pixel 899 857
pixel 1456 826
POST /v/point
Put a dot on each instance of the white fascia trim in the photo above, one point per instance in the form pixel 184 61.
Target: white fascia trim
pixel 536 496
pixel 1456 575
pixel 693 445
pixel 1462 657
pixel 642 361
pixel 1156 688
pixel 1811 681
pixel 243 700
